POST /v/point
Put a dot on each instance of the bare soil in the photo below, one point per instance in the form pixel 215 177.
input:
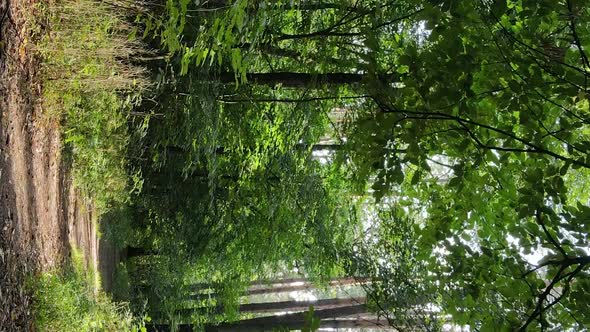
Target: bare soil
pixel 42 215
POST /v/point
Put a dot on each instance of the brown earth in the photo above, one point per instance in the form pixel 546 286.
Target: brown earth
pixel 42 215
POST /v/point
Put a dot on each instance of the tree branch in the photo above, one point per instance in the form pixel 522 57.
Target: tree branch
pixel 577 38
pixel 539 219
pixel 532 148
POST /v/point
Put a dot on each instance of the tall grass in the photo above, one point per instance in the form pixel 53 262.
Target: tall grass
pixel 68 301
pixel 88 46
pixel 90 84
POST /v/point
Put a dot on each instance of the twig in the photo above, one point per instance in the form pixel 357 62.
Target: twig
pixel 539 219
pixel 577 40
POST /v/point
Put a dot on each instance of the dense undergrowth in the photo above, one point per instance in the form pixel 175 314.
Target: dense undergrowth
pixel 91 86
pixel 67 300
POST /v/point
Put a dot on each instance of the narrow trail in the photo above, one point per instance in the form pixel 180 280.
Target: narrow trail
pixel 41 213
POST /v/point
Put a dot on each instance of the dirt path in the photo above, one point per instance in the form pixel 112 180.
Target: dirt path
pixel 41 214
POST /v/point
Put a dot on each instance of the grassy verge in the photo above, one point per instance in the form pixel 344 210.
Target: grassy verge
pixel 67 301
pixel 89 87
pixel 89 84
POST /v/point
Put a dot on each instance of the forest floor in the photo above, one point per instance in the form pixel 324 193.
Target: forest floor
pixel 42 215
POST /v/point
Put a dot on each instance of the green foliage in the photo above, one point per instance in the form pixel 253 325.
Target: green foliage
pixel 97 134
pixel 69 301
pixel 469 118
pixel 121 284
pixel 311 323
pixel 84 84
pixel 116 226
pixel 477 136
pixel 387 253
pixel 221 176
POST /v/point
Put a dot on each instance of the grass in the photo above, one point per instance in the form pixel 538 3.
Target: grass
pixel 90 84
pixel 68 301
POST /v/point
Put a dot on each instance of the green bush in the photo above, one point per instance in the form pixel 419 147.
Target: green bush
pixel 121 283
pixel 68 301
pixel 89 85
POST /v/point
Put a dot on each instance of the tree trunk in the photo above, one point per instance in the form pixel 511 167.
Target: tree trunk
pixel 357 323
pixel 305 286
pixel 263 282
pixel 282 288
pixel 290 321
pixel 273 307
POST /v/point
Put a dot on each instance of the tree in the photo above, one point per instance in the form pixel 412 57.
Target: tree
pixel 488 160
pixel 469 118
pixel 289 321
pixel 279 306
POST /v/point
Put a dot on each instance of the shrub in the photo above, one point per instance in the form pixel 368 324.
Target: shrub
pixel 90 85
pixel 69 301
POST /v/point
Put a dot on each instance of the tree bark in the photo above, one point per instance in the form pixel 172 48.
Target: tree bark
pixel 273 307
pixel 282 288
pixel 290 321
pixel 380 324
pixel 305 286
